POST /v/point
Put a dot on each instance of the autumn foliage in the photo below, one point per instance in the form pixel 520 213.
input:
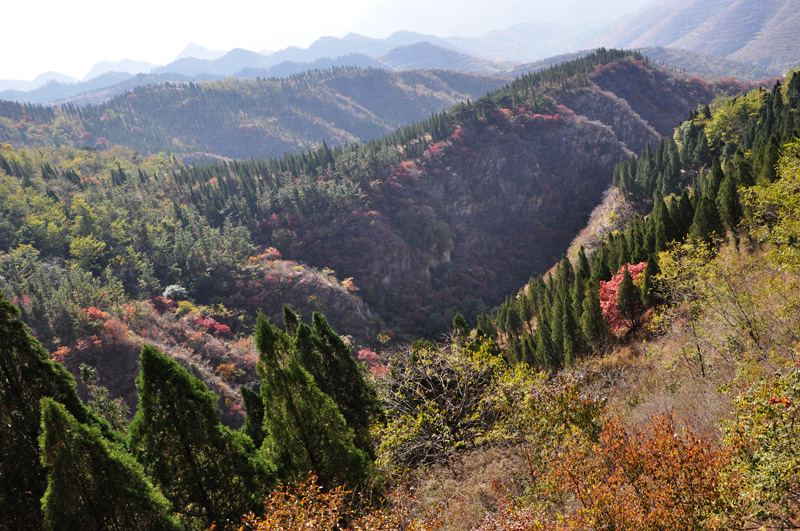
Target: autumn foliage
pixel 665 477
pixel 609 290
pixel 308 506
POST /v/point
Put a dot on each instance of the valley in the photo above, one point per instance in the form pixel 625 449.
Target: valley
pixel 393 283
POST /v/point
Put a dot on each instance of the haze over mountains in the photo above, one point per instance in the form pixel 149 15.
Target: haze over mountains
pixel 710 38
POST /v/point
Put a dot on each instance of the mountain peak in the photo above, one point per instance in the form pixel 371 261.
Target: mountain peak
pixel 199 52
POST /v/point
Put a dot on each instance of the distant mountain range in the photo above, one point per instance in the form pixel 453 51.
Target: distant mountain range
pixel 240 118
pixel 749 31
pixel 246 64
pixel 747 39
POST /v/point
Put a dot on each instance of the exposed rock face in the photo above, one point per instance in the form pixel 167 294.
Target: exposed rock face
pixel 609 109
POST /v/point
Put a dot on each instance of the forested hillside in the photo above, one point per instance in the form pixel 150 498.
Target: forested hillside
pixel 414 219
pixel 665 358
pixel 241 118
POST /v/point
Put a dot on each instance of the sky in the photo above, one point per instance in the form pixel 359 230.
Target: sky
pixel 69 37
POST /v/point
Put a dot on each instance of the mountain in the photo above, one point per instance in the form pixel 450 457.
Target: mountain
pixel 41 79
pixel 126 66
pixel 59 90
pixel 749 31
pixel 710 66
pixel 258 117
pixel 457 209
pixel 225 65
pixel 200 52
pixel 427 55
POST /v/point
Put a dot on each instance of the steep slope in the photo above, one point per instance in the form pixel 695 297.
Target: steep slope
pixel 743 30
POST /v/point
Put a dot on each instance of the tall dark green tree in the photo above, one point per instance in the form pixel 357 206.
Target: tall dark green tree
pixel 648 293
pixel 94 483
pixel 324 354
pixel 629 300
pixel 594 326
pixel 304 430
pixel 728 205
pixel 254 421
pixel 208 472
pixel 706 223
pixel 26 376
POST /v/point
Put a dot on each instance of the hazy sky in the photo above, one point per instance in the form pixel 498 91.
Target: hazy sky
pixel 69 37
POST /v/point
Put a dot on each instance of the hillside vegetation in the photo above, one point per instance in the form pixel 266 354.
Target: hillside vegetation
pixel 650 383
pixel 241 118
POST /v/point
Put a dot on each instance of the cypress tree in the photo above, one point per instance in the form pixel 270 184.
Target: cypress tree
pixel 206 470
pixel 26 376
pixel 545 355
pixel 557 333
pixel 254 421
pixel 648 295
pixel 594 326
pixel 729 207
pixel 342 380
pixel 706 222
pixel 513 322
pixel 714 179
pixel 583 270
pixel 304 430
pixel 573 336
pixel 93 483
pixel 629 300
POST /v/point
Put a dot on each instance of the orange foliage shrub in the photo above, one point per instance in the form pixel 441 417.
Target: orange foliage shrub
pixel 664 478
pixel 307 506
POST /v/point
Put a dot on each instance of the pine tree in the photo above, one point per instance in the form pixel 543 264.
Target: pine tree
pixel 93 483
pixel 206 470
pixel 26 376
pixel 304 430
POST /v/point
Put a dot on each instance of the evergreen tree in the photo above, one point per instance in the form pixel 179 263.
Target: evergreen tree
pixel 461 328
pixel 729 207
pixel 206 470
pixel 26 376
pixel 629 300
pixel 93 483
pixel 648 295
pixel 546 356
pixel 329 360
pixel 706 222
pixel 254 421
pixel 573 336
pixel 304 430
pixel 594 326
pixel 687 211
pixel 714 179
